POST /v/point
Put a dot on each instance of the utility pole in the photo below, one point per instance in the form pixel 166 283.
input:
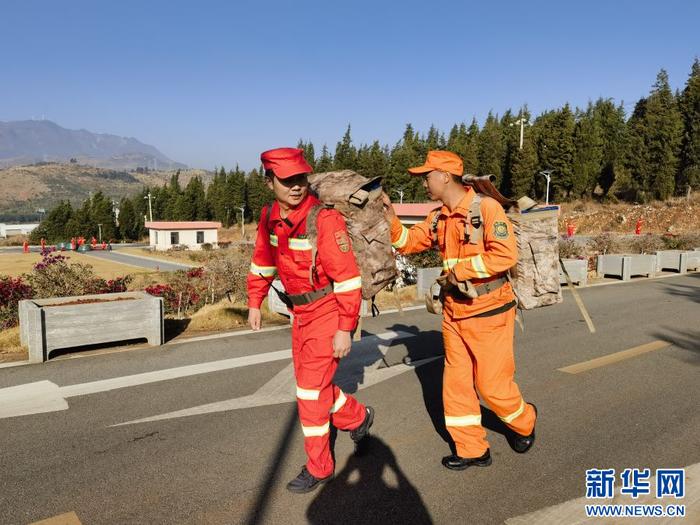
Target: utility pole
pixel 150 208
pixel 547 175
pixel 242 208
pixel 99 227
pixel 400 193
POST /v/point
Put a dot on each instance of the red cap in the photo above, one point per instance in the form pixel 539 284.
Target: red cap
pixel 285 162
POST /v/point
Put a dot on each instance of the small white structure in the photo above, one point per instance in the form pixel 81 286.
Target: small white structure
pixel 164 235
pixel 8 230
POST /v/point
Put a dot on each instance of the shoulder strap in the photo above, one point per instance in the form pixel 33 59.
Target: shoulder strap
pixel 268 212
pixel 312 236
pixel 477 232
pixel 434 224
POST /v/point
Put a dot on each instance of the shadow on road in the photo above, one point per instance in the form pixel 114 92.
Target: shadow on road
pixel 690 292
pixel 371 488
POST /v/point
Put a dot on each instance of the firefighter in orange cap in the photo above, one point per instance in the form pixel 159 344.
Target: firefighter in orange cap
pixel 477 328
pixel 325 297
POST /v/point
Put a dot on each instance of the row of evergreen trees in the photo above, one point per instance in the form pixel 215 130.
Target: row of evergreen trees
pixel 592 151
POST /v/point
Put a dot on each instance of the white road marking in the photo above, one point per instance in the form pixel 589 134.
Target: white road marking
pixel 573 512
pixel 361 365
pixel 45 396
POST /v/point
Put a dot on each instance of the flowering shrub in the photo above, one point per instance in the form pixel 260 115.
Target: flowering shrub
pixel 12 291
pixel 54 276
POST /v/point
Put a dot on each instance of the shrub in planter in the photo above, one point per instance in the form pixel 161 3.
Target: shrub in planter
pixel 603 244
pixel 426 259
pixel 647 244
pixel 12 291
pixel 570 249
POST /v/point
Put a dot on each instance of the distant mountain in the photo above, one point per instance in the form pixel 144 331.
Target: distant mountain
pixel 26 189
pixel 31 141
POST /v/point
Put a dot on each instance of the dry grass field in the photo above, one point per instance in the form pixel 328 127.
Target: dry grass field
pixel 15 264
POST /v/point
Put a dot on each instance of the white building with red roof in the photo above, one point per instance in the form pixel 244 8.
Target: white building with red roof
pixel 164 235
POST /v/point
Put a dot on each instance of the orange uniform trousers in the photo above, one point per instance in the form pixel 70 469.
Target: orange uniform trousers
pixel 320 402
pixel 479 357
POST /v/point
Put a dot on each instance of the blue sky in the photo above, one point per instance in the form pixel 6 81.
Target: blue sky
pixel 212 83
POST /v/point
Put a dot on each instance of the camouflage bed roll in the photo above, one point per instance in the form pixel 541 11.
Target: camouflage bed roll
pixel 536 274
pixel 359 200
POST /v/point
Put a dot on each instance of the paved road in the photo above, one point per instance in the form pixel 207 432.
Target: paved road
pixel 205 431
pixel 37 248
pixel 141 262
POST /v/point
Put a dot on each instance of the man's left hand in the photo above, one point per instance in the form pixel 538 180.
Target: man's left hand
pixel 341 344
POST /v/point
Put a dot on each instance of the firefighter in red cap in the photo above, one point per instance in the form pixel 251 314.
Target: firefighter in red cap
pixel 324 296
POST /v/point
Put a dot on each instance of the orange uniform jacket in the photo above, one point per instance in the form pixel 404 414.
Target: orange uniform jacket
pixel 489 259
pixel 282 248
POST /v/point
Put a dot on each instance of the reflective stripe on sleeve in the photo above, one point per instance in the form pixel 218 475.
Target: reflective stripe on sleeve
pixel 463 421
pixel 273 240
pixel 309 395
pixel 479 267
pixel 347 286
pixel 403 239
pixel 265 271
pixel 299 244
pixel 315 431
pixel 511 417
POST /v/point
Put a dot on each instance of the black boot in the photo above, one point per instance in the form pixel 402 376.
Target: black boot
pixel 305 482
pixel 522 444
pixel 455 462
pixel 362 431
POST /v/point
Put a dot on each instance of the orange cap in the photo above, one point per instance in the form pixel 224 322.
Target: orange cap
pixel 440 161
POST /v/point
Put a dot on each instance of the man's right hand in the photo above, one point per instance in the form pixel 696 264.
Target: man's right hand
pixel 254 318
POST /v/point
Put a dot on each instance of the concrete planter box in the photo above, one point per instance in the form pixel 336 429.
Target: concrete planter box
pixel 676 260
pixel 694 259
pixel 425 277
pixel 50 324
pixel 577 270
pixel 626 266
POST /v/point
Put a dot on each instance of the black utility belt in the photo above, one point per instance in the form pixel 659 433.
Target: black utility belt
pixel 498 310
pixel 309 297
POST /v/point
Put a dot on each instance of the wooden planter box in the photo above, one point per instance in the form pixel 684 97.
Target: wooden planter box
pixel 625 266
pixel 67 322
pixel 577 270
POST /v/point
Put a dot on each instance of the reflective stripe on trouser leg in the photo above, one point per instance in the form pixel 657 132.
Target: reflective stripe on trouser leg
pixel 491 343
pixel 462 409
pixel 314 367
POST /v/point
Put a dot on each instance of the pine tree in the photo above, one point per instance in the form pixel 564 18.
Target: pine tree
pixel 588 152
pixel 345 153
pixel 689 173
pixel 53 227
pixel 613 131
pixel 128 227
pixel 101 212
pixel 309 153
pixel 655 139
pixel 490 149
pixel 325 161
pixel 235 194
pixel 257 194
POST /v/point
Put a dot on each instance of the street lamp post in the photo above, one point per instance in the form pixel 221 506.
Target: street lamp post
pixel 547 175
pixel 400 193
pixel 99 227
pixel 522 122
pixel 150 208
pixel 242 208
